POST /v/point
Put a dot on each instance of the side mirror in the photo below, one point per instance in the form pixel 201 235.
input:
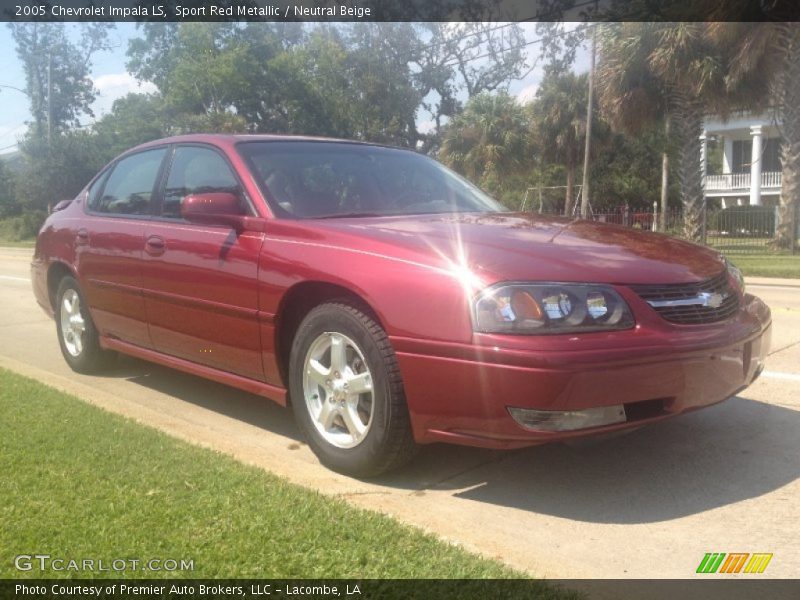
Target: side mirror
pixel 59 206
pixel 209 205
pixel 214 208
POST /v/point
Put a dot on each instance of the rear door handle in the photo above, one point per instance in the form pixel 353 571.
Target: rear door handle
pixel 155 245
pixel 82 236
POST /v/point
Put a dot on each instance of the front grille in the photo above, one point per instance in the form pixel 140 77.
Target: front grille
pixel 707 301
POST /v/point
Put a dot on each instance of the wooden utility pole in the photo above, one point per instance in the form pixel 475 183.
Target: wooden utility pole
pixel 585 185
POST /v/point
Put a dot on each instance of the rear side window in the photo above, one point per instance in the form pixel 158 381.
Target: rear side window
pixel 129 188
pixel 197 170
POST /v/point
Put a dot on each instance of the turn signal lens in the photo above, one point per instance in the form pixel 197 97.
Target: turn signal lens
pixel 525 306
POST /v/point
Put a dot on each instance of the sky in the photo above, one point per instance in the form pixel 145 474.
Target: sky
pixel 112 81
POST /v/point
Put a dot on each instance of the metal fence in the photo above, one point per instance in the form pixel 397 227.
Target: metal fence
pixel 733 230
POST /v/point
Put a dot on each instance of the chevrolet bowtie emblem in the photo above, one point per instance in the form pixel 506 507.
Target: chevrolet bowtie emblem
pixel 704 299
pixel 710 300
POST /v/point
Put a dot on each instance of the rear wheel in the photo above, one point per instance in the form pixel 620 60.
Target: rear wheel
pixel 347 393
pixel 77 335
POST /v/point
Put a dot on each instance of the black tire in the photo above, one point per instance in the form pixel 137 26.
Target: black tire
pixel 89 357
pixel 388 442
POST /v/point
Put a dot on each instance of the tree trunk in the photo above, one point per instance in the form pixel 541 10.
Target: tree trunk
pixel 688 120
pixel 570 197
pixel 790 149
pixel 665 177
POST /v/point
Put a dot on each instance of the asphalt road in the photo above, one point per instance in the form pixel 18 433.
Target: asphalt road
pixel 646 505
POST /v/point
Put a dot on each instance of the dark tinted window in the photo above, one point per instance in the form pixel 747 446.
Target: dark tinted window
pixel 742 155
pixel 129 188
pixel 772 155
pixel 197 170
pixel 323 179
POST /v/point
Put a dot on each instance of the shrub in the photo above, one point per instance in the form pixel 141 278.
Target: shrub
pixel 23 227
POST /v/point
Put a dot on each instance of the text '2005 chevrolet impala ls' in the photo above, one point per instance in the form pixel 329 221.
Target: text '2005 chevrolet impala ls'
pixel 388 300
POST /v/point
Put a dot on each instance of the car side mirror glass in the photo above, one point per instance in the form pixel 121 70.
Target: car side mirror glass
pixel 210 204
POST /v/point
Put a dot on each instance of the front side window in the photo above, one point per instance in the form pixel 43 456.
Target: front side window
pixel 327 180
pixel 197 170
pixel 129 188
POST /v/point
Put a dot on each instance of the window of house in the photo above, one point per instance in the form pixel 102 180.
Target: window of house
pixel 772 155
pixel 742 156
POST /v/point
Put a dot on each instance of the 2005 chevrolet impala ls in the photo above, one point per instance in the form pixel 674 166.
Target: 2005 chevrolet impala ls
pixel 391 302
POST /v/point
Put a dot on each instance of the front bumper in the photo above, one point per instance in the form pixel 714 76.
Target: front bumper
pixel 461 393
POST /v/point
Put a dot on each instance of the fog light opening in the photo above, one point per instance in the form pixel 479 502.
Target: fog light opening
pixel 569 420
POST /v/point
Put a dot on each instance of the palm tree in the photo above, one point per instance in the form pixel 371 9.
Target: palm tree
pixel 632 97
pixel 488 139
pixel 558 116
pixel 764 72
pixel 678 61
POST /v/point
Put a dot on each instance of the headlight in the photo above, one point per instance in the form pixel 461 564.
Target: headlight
pixel 736 272
pixel 550 308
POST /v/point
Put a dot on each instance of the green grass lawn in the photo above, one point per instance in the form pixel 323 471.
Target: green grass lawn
pixel 767 265
pixel 17 244
pixel 78 482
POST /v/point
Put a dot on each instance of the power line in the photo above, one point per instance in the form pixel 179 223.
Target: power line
pixel 11 87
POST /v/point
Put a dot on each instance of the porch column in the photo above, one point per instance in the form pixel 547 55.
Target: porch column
pixel 755 166
pixel 703 155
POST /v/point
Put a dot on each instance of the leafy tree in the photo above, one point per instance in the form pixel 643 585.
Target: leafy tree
pixel 558 125
pixel 8 203
pixel 57 71
pixel 488 141
pixel 628 172
pixel 53 173
pixel 470 58
pixel 366 81
pixel 134 119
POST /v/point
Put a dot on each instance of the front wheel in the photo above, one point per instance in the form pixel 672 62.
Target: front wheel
pixel 76 332
pixel 347 393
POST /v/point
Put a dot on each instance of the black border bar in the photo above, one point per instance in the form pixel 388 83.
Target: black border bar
pixel 397 10
pixel 722 588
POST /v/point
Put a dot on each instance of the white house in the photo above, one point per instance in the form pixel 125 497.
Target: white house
pixel 751 166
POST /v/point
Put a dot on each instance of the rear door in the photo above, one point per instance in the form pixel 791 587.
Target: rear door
pixel 110 244
pixel 200 281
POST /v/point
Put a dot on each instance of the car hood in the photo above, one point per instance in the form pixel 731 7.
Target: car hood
pixel 523 246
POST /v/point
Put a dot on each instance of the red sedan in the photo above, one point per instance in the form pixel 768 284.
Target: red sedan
pixel 391 300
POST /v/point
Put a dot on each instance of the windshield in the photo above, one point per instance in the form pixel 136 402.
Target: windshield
pixel 329 180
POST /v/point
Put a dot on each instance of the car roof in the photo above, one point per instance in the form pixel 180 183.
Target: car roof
pixel 228 139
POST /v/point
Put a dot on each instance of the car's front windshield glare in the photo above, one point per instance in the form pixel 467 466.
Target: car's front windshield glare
pixel 328 180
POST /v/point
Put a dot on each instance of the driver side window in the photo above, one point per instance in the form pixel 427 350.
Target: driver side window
pixel 197 170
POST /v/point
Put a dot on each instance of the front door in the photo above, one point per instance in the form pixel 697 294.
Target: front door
pixel 200 282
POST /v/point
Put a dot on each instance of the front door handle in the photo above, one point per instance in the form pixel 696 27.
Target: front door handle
pixel 155 245
pixel 82 236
